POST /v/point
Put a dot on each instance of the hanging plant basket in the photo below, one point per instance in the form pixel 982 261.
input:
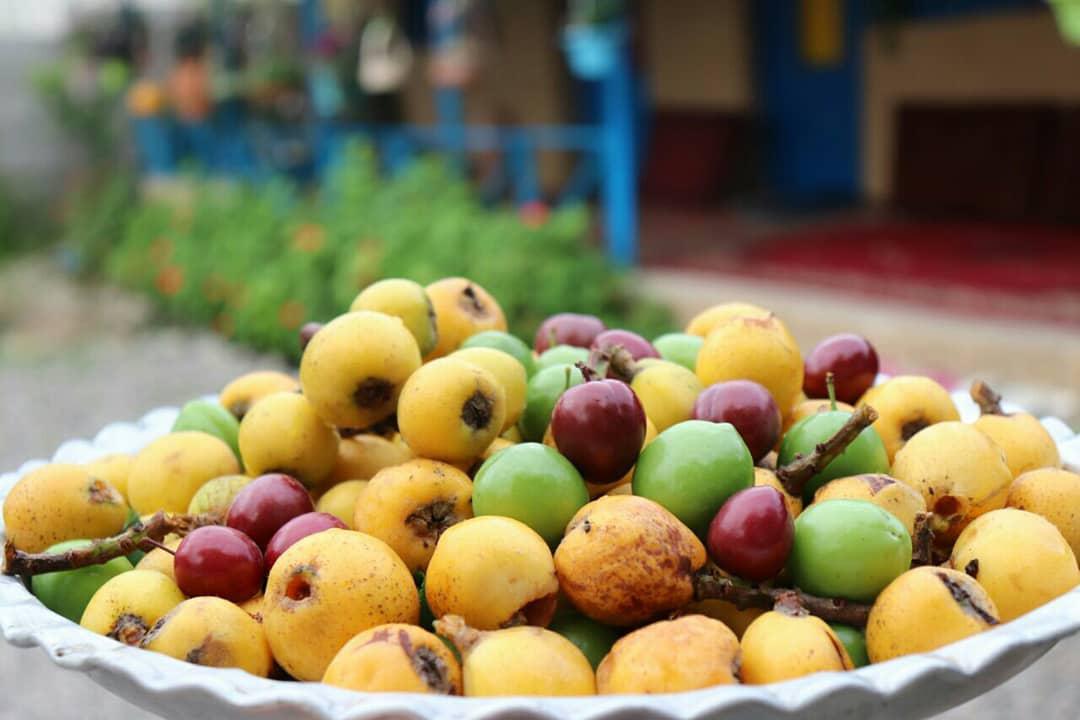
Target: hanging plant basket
pixel 1067 13
pixel 592 51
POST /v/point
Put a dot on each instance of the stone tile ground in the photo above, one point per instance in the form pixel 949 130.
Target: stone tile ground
pixel 74 358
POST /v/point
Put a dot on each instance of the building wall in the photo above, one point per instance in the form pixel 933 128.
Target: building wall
pixel 1014 56
pixel 698 53
pixel 521 79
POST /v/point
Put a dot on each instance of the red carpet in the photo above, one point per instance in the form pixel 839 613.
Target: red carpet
pixel 1013 271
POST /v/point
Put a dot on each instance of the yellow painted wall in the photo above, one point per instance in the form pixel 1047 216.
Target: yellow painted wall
pixel 1001 57
pixel 698 53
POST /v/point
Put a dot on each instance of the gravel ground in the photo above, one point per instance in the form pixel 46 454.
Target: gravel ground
pixel 73 359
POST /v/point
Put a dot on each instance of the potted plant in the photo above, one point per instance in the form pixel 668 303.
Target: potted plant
pixel 594 37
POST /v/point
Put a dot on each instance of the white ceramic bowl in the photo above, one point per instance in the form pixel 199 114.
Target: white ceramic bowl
pixel 913 686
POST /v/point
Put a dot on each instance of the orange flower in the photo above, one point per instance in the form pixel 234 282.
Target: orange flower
pixel 309 237
pixel 291 314
pixel 170 280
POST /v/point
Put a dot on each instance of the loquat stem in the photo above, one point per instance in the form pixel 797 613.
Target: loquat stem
pixel 710 584
pixel 986 398
pixel 140 536
pixel 798 472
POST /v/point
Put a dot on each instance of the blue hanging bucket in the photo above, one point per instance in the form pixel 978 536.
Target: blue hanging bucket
pixel 593 50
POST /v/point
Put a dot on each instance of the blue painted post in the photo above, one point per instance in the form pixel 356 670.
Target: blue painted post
pixel 451 112
pixel 618 162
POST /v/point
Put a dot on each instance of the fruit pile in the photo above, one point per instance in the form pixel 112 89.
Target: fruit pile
pixel 433 506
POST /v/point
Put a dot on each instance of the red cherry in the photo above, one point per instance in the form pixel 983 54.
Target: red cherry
pixel 746 405
pixel 265 504
pixel 751 534
pixel 220 561
pixel 599 426
pixel 850 358
pixel 637 346
pixel 307 331
pixel 296 529
pixel 567 329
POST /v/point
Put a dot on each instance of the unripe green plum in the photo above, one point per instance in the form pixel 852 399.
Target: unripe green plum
pixel 866 454
pixel 509 344
pixel 68 592
pixel 561 355
pixel 544 390
pixel 592 638
pixel 212 419
pixel 681 348
pixel 532 483
pixel 692 468
pixel 849 549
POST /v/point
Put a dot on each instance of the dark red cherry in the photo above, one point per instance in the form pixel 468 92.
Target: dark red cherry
pixel 746 405
pixel 751 534
pixel 219 561
pixel 296 529
pixel 265 504
pixel 307 331
pixel 850 358
pixel 567 329
pixel 599 426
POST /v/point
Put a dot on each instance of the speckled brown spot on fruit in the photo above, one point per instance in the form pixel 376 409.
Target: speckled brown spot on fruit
pixel 964 599
pixel 373 392
pixel 101 493
pixel 128 629
pixel 908 429
pixel 972 568
pixel 471 303
pixel 877 482
pixel 476 412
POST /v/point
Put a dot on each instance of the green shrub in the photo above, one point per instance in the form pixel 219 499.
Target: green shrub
pixel 256 262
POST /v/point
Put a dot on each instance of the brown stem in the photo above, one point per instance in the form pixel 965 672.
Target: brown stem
pixel 798 472
pixel 709 584
pixel 615 361
pixel 922 540
pixel 140 536
pixel 588 372
pixel 989 402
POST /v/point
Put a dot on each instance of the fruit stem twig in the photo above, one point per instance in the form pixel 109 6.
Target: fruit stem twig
pixel 922 540
pixel 140 536
pixel 798 472
pixel 989 402
pixel 615 361
pixel 709 584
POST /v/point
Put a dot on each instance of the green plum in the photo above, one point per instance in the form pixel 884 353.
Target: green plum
pixel 562 355
pixel 68 592
pixel 592 638
pixel 509 344
pixel 854 642
pixel 848 549
pixel 543 391
pixel 692 468
pixel 532 483
pixel 427 618
pixel 680 348
pixel 865 455
pixel 212 419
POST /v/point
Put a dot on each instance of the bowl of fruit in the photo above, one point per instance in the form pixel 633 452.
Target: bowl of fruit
pixel 434 519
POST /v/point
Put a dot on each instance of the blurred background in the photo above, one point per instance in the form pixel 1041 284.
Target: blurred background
pixel 183 183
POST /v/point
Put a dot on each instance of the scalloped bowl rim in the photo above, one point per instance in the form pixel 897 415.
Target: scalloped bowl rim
pixel 956 672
